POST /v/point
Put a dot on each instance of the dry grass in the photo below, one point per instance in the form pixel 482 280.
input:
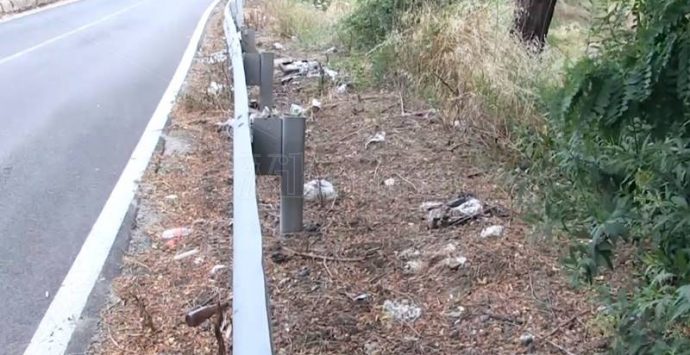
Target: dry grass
pixel 481 78
pixel 300 20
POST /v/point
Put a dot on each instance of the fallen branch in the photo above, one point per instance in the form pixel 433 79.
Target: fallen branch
pixel 407 181
pixel 197 316
pixel 322 257
pixel 560 326
pixel 217 330
pixel 503 318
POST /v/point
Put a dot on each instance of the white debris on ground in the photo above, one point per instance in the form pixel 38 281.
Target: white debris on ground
pixel 430 205
pixel 319 190
pixel 217 268
pixel 457 313
pixel 389 182
pixel 455 262
pixel 412 267
pixel 379 137
pixel 341 89
pixel 492 231
pixel 409 253
pixel 217 57
pixel 332 74
pixel 277 46
pixel 226 125
pixel 303 68
pixel 470 208
pixel 526 339
pixel 178 232
pixel 171 197
pixel 315 104
pixel 402 310
pixel 186 254
pixel 296 110
pixel 215 88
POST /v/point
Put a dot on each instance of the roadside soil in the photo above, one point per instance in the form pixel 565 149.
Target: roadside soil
pixel 332 287
pixel 10 7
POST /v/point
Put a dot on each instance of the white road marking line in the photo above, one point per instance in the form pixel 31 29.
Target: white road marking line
pixel 56 328
pixel 26 13
pixel 67 34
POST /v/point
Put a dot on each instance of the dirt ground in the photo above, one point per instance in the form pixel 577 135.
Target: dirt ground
pixel 364 255
pixel 8 7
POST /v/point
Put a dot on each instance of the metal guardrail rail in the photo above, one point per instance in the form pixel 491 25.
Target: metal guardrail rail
pixel 251 324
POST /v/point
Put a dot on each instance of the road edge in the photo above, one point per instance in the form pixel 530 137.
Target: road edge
pixel 55 330
pixel 24 13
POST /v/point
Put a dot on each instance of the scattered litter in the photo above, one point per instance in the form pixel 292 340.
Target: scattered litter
pixel 449 248
pixel 413 267
pixel 332 74
pixel 319 190
pixel 175 233
pixel 436 217
pixel 526 339
pixel 296 110
pixel 409 253
pixel 456 313
pixel 427 206
pixel 186 254
pixel 377 138
pixel 456 262
pixel 227 125
pixel 265 113
pixel 47 294
pixel 198 260
pixel 315 104
pixel 217 57
pixel 215 88
pixel 493 231
pixel 341 89
pixel 171 197
pixel 389 182
pixel 277 46
pixel 305 68
pixel 216 268
pixel 309 68
pixel 471 208
pixel 331 50
pixel 459 210
pixel 361 298
pixel 402 311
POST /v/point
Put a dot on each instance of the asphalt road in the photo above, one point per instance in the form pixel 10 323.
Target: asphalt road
pixel 78 84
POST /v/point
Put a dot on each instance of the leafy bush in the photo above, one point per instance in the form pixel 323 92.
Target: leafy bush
pixel 619 143
pixel 373 20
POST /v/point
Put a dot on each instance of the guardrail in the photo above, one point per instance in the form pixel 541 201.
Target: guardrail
pixel 251 324
pixel 268 145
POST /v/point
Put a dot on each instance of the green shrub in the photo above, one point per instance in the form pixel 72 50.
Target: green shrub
pixel 373 20
pixel 619 148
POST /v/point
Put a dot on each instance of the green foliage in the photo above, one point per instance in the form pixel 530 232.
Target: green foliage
pixel 619 147
pixel 373 20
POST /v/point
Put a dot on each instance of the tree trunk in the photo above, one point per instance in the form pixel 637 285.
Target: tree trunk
pixel 532 21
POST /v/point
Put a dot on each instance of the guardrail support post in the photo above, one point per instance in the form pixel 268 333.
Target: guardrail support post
pixel 266 80
pixel 292 177
pixel 248 41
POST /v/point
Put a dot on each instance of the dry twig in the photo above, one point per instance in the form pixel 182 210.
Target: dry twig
pixel 322 257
